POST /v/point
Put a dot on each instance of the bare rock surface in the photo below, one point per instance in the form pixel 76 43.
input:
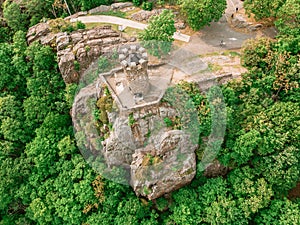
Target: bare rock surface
pixel 121 5
pixel 66 65
pixel 158 159
pixel 145 15
pixel 119 147
pixel 163 166
pixel 83 122
pixel 100 9
pixel 76 50
pixel 38 32
pixel 240 21
pixel 84 46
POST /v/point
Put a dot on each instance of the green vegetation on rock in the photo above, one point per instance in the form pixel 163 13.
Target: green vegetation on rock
pixel 45 179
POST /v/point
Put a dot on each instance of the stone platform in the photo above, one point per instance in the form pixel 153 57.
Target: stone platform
pixel 159 78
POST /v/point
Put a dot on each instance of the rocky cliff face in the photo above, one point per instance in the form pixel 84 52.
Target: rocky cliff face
pixel 161 159
pixel 167 164
pixel 76 50
pixel 158 158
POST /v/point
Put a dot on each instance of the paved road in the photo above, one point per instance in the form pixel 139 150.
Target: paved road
pixel 123 22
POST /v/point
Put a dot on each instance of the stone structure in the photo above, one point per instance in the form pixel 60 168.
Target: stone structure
pixel 136 83
pixel 134 61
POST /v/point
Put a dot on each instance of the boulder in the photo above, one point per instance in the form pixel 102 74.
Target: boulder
pixel 132 39
pixel 37 32
pixel 240 21
pixel 94 53
pixel 121 5
pixel 91 34
pixel 100 9
pixel 49 39
pixel 62 41
pixel 166 164
pixel 80 54
pixel 66 66
pixel 167 112
pixel 180 25
pixel 255 27
pixel 76 15
pixel 110 41
pixel 76 37
pixel 145 15
pixel 94 42
pixel 119 146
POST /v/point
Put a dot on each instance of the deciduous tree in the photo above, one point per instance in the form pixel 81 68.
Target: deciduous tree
pixel 158 36
pixel 201 13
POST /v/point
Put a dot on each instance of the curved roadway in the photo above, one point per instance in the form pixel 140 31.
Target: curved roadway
pixel 124 22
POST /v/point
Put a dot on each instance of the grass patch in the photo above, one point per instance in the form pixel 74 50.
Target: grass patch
pixel 209 54
pixel 132 31
pixel 129 31
pixel 129 13
pixel 232 53
pixel 93 25
pixel 113 13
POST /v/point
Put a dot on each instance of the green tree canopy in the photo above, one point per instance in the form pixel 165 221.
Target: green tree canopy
pixel 201 13
pixel 263 9
pixel 15 19
pixel 158 36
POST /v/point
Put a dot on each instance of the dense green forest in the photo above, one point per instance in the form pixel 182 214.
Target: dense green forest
pixel 45 179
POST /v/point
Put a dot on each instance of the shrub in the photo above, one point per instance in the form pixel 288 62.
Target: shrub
pixel 137 2
pixel 70 93
pixel 147 6
pixel 114 13
pixel 168 122
pixel 160 2
pixel 80 25
pixel 76 65
pixel 131 119
pixel 103 64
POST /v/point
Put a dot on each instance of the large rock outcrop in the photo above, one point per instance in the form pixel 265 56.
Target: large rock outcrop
pixel 119 146
pixel 158 158
pixel 76 50
pixel 167 164
pixel 40 32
